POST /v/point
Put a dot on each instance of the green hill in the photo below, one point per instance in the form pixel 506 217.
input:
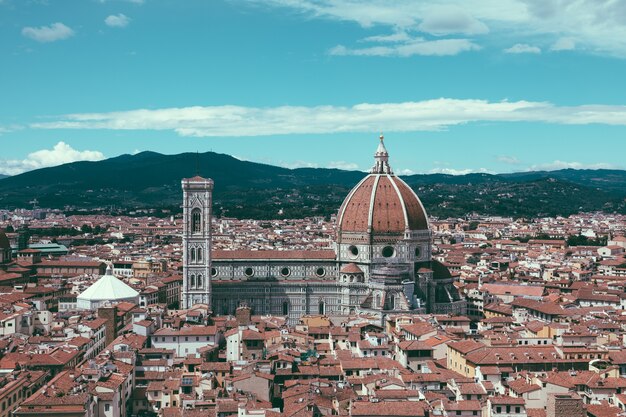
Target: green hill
pixel 247 189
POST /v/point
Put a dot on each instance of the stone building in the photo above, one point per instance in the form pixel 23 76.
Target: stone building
pixel 380 261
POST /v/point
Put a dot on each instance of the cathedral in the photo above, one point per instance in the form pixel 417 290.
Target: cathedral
pixel 380 262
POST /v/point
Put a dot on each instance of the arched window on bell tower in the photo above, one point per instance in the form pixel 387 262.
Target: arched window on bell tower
pixel 192 281
pixel 196 221
pixel 199 255
pixel 199 282
pixel 193 255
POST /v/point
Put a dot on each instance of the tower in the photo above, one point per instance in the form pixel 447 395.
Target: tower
pixel 197 199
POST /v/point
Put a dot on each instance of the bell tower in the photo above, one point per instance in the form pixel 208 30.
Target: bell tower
pixel 197 200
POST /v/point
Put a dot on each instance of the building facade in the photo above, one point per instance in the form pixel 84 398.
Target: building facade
pixel 197 195
pixel 380 261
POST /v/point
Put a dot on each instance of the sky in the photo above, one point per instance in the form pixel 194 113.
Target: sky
pixel 456 86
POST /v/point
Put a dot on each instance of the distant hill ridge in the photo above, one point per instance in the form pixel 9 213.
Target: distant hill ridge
pixel 249 189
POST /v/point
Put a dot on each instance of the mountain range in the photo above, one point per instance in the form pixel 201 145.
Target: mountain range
pixel 150 180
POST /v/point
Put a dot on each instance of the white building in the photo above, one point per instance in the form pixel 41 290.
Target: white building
pixel 106 290
pixel 187 340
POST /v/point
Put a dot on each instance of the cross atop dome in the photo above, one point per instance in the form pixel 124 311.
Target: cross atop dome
pixel 381 158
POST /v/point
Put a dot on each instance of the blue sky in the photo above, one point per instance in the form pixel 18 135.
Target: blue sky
pixel 456 85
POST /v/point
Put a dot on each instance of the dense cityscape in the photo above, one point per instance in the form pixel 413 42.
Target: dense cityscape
pixel 111 316
pixel 312 208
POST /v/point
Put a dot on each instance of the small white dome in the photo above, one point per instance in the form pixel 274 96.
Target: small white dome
pixel 106 289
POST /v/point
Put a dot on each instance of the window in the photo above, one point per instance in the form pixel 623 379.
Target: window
pixel 213 272
pixel 458 413
pixel 249 272
pixel 192 281
pixel 199 256
pixel 354 251
pixel 199 283
pixel 285 272
pixel 388 251
pixel 517 410
pixel 498 409
pixel 320 272
pixel 196 221
pixel 418 252
pixel 193 255
pixel 107 407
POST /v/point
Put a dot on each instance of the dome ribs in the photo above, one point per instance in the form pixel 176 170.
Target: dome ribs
pixel 415 211
pixel 388 216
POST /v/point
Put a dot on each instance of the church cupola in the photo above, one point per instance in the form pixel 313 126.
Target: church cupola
pixel 381 158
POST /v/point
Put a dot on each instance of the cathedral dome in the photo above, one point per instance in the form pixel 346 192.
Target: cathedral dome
pixel 381 203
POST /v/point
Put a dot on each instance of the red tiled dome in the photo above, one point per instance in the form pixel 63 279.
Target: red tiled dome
pixel 382 203
pixel 351 268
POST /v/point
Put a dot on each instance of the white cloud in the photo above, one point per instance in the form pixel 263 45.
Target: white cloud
pixel 598 26
pixel 296 164
pixel 118 20
pixel 417 46
pixel 61 153
pixel 564 44
pixel 55 32
pixel 452 171
pixel 523 48
pixel 507 159
pixel 427 115
pixel 556 165
pixel 394 37
pixel 405 171
pixel 347 166
pixel 9 128
pixel 446 20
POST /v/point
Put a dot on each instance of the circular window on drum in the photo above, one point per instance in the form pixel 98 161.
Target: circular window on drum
pixel 249 272
pixel 418 252
pixel 388 251
pixel 285 272
pixel 320 272
pixel 213 272
pixel 353 251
